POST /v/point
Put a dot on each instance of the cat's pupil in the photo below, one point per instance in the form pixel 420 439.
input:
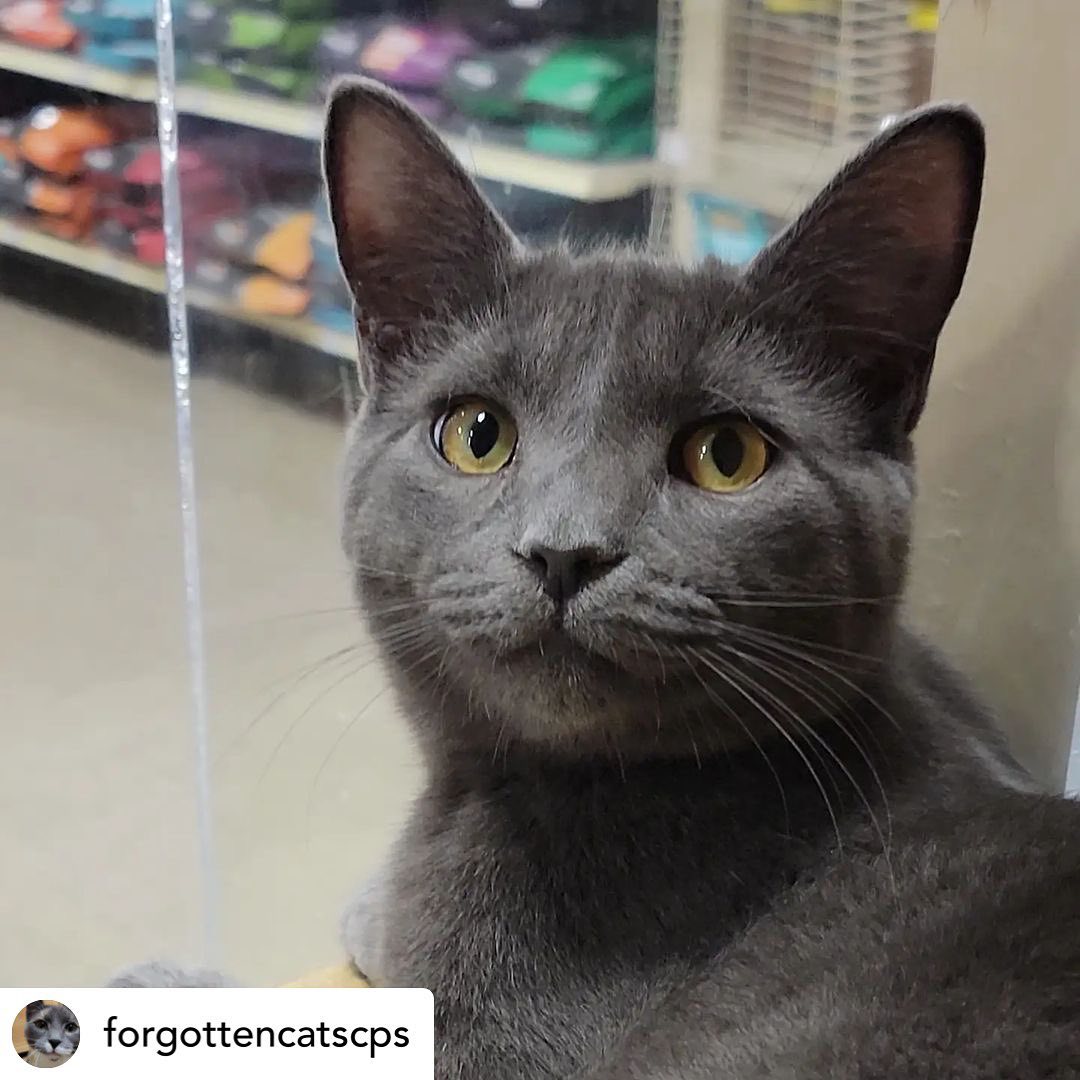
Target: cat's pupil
pixel 483 435
pixel 727 451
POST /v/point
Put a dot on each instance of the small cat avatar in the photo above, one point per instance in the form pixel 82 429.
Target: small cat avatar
pixel 52 1034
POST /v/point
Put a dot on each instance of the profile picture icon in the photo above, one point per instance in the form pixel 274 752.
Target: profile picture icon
pixel 45 1034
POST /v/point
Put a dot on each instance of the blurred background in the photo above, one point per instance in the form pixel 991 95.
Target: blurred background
pixel 200 758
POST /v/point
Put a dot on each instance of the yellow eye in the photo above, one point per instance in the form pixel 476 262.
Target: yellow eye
pixel 726 456
pixel 476 437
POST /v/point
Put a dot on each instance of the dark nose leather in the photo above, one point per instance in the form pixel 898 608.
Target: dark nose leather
pixel 563 573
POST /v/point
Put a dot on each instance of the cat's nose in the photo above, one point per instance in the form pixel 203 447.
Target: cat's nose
pixel 52 1044
pixel 564 572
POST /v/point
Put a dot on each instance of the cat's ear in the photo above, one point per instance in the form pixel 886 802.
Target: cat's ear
pixel 871 269
pixel 34 1008
pixel 417 241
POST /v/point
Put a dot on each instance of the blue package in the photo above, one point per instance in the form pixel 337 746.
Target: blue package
pixel 728 230
pixel 332 317
pixel 122 55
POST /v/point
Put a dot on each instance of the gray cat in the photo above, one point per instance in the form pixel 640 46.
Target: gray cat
pixel 51 1033
pixel 633 538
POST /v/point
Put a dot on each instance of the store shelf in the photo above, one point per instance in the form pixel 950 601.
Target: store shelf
pixel 766 173
pixel 96 260
pixel 584 180
pixel 252 110
pixel 588 181
pixel 301 330
pixel 773 175
pixel 105 263
pixel 62 68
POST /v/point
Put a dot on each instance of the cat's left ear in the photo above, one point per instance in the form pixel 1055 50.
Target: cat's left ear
pixel 418 243
pixel 871 269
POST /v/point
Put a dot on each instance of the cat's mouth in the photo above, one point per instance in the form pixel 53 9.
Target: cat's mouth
pixel 563 651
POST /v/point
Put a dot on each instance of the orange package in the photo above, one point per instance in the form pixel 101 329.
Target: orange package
pixel 55 139
pixel 266 294
pixel 38 23
pixel 275 238
pixel 286 250
pixel 65 228
pixel 75 201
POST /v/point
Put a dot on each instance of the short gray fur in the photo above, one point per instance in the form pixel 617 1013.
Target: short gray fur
pixel 623 864
pixel 52 1034
pixel 721 814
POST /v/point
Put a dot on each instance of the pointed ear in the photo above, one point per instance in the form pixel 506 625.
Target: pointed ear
pixel 417 241
pixel 871 269
pixel 33 1009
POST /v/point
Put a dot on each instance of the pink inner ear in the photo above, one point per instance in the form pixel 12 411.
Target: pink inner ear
pixel 919 189
pixel 418 243
pixel 874 265
pixel 368 178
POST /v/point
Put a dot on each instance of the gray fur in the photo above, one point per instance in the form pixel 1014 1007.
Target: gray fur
pixel 157 973
pixel 721 814
pixel 51 1032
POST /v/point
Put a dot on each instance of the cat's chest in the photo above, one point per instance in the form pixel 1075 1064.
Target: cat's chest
pixel 529 975
pixel 599 897
pixel 506 934
pixel 584 903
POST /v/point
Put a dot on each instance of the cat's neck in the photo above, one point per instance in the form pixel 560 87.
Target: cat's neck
pixel 693 839
pixel 910 714
pixel 839 769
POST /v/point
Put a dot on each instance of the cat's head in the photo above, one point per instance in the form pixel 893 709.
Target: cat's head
pixel 597 501
pixel 51 1031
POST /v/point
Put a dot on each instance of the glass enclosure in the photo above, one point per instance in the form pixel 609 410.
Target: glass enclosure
pixel 201 754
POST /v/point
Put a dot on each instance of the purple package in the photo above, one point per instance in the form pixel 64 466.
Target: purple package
pixel 415 56
pixel 430 106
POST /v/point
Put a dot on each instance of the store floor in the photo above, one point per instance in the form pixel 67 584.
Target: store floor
pixel 102 861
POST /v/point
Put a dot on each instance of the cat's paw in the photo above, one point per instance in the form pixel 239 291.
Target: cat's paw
pixel 363 930
pixel 158 974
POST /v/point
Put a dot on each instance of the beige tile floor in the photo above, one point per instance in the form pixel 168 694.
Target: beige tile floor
pixel 97 795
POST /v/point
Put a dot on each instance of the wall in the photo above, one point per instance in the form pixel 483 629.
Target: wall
pixel 997 566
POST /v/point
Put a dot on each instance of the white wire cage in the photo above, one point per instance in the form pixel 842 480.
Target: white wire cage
pixel 824 73
pixel 758 101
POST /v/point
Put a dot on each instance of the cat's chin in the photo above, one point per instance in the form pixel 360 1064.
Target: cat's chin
pixel 553 689
pixel 47 1059
pixel 560 695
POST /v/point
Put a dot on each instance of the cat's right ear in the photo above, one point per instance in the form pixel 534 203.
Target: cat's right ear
pixel 34 1008
pixel 871 268
pixel 418 243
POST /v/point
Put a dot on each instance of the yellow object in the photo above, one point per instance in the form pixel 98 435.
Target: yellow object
pixel 343 977
pixel 803 7
pixel 923 16
pixel 268 294
pixel 726 456
pixel 477 437
pixel 286 250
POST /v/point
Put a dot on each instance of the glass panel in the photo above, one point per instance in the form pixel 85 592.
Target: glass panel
pixel 96 793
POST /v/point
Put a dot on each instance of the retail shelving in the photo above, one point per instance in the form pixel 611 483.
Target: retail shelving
pixel 104 263
pixel 589 181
